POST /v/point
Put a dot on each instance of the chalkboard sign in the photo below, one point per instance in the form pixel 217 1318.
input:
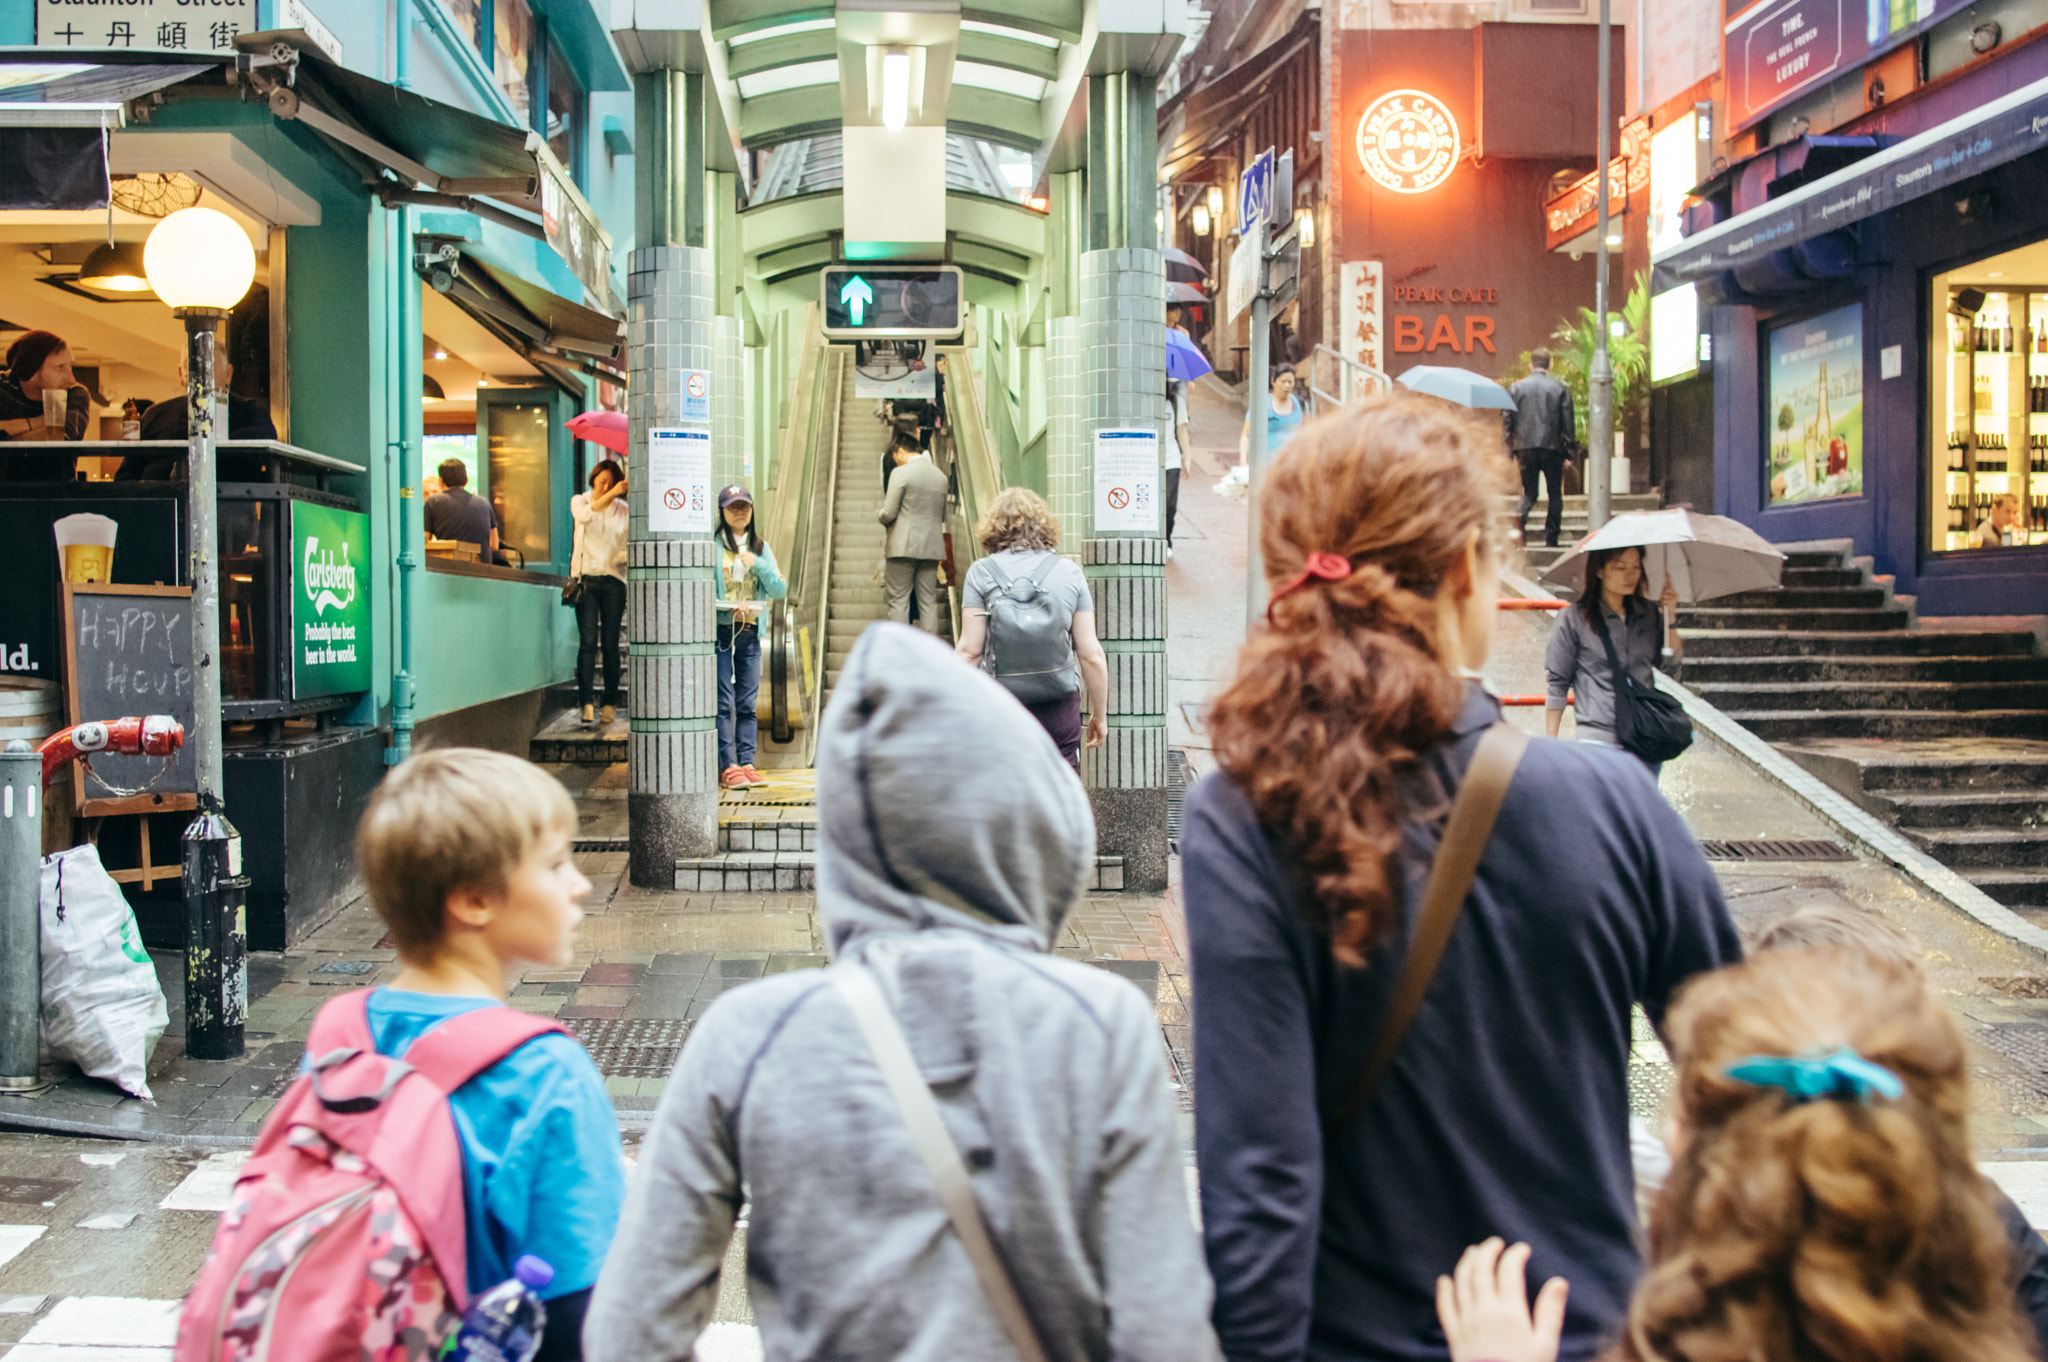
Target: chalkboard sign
pixel 128 651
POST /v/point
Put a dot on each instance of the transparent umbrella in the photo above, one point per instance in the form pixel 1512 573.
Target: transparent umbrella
pixel 1704 556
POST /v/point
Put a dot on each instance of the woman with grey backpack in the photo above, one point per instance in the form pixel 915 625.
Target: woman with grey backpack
pixel 1029 622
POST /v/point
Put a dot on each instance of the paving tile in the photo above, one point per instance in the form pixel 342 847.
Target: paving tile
pixel 575 1013
pixel 602 997
pixel 693 962
pixel 617 975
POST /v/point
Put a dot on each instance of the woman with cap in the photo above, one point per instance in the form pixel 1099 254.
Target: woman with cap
pixel 747 577
pixel 599 563
pixel 38 371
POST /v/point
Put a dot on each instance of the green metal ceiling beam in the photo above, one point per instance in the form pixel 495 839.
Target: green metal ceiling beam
pixel 1010 53
pixel 791 49
pixel 736 18
pixel 1060 19
pixel 807 111
pixel 1007 120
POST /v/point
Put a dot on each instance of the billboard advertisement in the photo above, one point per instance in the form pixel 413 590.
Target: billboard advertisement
pixel 1777 50
pixel 1814 417
pixel 330 601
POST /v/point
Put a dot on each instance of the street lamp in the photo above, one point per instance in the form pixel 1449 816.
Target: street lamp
pixel 201 263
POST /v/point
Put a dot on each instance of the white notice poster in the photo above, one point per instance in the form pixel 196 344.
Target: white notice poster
pixel 1127 481
pixel 679 480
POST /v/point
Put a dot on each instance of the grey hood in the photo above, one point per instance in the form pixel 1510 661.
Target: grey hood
pixel 953 843
pixel 942 802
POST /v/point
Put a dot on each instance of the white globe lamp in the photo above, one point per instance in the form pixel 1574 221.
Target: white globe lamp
pixel 199 258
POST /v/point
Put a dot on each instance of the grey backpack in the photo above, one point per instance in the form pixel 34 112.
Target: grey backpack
pixel 1030 647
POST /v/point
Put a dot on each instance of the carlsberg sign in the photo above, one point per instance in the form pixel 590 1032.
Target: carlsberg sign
pixel 330 612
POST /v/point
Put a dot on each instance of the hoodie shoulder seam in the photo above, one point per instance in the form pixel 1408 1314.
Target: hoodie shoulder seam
pixel 789 1011
pixel 1035 964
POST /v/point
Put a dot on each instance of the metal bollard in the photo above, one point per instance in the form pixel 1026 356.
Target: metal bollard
pixel 21 924
pixel 216 938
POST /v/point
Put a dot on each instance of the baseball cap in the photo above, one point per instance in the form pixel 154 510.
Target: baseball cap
pixel 736 492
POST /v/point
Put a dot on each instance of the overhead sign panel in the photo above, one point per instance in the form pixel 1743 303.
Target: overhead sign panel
pixel 1774 51
pixel 892 303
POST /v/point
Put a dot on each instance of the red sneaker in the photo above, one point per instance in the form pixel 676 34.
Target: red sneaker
pixel 735 778
pixel 754 778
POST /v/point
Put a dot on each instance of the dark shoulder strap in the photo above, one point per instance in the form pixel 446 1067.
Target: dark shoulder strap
pixel 456 1050
pixel 1607 642
pixel 1443 900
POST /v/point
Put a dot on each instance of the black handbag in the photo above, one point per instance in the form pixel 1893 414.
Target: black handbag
pixel 1648 723
pixel 572 592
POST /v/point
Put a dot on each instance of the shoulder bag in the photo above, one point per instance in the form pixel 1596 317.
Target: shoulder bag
pixel 941 1157
pixel 1443 901
pixel 1648 723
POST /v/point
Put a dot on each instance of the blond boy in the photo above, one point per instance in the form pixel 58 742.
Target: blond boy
pixel 466 855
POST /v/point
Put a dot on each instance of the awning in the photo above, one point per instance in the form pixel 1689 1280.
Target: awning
pixel 96 84
pixel 445 151
pixel 535 318
pixel 2001 131
pixel 1219 105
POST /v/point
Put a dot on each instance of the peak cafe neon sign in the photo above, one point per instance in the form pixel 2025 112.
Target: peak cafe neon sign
pixel 1408 141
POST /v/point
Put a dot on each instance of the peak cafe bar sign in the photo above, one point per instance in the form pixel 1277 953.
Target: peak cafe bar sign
pixel 1408 141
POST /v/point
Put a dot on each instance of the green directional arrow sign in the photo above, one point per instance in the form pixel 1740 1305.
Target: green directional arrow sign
pixel 857 295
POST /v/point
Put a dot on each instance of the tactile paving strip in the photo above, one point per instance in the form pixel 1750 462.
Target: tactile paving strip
pixel 631 1049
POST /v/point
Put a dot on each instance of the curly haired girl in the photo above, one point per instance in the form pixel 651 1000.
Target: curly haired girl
pixel 1345 730
pixel 1823 1206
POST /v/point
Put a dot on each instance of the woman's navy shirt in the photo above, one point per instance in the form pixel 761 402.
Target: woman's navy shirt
pixel 1505 1110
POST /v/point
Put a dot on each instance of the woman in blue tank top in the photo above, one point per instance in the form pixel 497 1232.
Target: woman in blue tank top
pixel 1283 414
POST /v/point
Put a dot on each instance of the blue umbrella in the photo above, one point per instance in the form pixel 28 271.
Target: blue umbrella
pixel 1184 362
pixel 1461 386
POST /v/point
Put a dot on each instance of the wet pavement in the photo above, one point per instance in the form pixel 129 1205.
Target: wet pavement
pixel 648 963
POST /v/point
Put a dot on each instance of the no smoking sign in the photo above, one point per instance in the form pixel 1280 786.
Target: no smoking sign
pixel 1119 498
pixel 673 498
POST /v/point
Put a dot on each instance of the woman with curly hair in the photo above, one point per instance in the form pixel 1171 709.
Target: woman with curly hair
pixel 1020 538
pixel 1343 733
pixel 1823 1207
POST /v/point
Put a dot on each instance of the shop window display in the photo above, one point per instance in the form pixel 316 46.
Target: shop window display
pixel 1988 477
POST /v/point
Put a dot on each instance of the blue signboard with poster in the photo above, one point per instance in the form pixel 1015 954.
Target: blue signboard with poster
pixel 1778 50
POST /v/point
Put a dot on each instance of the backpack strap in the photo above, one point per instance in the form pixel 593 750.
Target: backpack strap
pixel 342 1023
pixel 1002 578
pixel 456 1050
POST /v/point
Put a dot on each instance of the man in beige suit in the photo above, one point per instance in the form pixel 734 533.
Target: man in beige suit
pixel 915 512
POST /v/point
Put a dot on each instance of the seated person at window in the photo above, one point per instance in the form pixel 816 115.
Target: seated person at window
pixel 1998 529
pixel 171 419
pixel 460 514
pixel 38 360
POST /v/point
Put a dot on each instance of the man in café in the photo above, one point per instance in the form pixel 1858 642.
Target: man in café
pixel 39 362
pixel 171 419
pixel 459 514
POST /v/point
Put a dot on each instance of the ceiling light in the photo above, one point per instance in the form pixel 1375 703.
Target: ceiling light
pixel 1994 274
pixel 1215 200
pixel 483 383
pixel 1200 218
pixel 1305 225
pixel 895 89
pixel 116 267
pixel 1614 242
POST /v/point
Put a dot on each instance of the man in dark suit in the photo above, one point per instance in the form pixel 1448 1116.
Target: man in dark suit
pixel 1542 432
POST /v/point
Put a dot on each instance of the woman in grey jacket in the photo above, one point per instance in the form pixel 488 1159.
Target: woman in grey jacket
pixel 1576 659
pixel 1048 1074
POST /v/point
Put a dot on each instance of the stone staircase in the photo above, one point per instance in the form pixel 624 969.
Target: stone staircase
pixel 1941 732
pixel 779 855
pixel 1539 558
pixel 857 599
pixel 564 737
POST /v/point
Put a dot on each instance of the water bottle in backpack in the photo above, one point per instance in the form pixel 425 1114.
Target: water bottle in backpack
pixel 504 1324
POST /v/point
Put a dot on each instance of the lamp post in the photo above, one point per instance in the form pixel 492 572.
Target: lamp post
pixel 200 262
pixel 1600 383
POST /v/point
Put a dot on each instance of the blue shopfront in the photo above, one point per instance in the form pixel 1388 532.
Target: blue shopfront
pixel 1875 305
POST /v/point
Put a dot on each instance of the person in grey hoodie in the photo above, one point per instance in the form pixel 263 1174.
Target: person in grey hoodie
pixel 1048 1073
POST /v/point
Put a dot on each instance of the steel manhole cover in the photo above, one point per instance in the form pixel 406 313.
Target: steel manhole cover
pixel 631 1049
pixel 1775 849
pixel 2021 1083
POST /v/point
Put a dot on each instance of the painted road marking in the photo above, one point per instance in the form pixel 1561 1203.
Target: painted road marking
pixel 2026 1184
pixel 208 1186
pixel 718 1343
pixel 15 1238
pixel 127 1328
pixel 112 1220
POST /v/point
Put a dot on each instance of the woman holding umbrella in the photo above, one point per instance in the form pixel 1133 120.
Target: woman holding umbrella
pixel 1614 608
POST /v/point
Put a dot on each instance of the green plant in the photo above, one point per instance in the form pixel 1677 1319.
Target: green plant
pixel 1628 356
pixel 1786 420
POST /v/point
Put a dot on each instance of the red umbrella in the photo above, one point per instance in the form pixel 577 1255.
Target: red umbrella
pixel 607 428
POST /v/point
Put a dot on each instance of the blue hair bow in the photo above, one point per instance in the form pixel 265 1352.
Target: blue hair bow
pixel 1838 1073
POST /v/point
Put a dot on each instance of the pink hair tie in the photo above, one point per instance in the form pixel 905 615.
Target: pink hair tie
pixel 1327 567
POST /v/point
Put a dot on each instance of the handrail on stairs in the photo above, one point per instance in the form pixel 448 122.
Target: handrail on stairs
pixel 1346 367
pixel 980 476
